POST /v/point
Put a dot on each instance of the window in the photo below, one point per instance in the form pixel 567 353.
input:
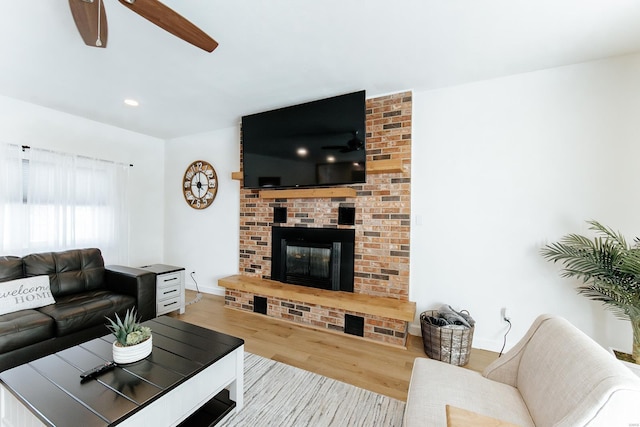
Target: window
pixel 54 201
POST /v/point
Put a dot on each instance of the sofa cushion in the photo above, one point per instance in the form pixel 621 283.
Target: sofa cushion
pixel 24 328
pixel 10 268
pixel 435 384
pixel 80 311
pixel 70 272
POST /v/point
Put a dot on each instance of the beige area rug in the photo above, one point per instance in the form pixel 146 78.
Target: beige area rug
pixel 281 395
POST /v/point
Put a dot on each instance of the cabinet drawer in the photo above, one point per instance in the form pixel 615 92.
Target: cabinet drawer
pixel 169 279
pixel 168 292
pixel 168 305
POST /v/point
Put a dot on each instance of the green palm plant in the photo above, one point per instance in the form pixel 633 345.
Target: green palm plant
pixel 609 269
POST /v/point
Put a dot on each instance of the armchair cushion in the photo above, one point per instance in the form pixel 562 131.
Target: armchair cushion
pixel 435 384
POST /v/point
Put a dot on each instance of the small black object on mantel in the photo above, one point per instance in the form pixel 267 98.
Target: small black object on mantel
pixel 346 215
pixel 279 215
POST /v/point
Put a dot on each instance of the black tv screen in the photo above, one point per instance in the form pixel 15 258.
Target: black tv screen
pixel 319 143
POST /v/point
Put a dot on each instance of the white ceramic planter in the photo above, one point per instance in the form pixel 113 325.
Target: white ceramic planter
pixel 132 353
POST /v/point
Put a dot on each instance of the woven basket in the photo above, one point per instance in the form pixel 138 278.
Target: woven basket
pixel 451 344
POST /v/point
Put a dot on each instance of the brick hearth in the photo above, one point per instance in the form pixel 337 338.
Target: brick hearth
pixel 383 225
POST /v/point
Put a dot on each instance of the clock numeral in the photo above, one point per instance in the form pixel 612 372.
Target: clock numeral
pixel 209 195
pixel 199 166
pixel 190 173
pixel 209 173
pixel 189 195
pixel 187 184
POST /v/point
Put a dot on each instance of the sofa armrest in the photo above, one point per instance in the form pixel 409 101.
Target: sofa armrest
pixel 505 368
pixel 136 282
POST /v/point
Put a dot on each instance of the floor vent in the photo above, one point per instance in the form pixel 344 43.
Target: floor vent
pixel 354 325
pixel 259 305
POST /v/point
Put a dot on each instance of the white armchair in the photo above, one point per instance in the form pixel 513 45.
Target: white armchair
pixel 554 376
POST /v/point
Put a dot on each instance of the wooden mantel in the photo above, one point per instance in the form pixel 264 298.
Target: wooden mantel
pixel 376 306
pixel 373 167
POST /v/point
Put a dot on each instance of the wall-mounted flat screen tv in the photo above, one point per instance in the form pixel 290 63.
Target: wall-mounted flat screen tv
pixel 319 143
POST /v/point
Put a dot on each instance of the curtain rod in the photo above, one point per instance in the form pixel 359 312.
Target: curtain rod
pixel 26 147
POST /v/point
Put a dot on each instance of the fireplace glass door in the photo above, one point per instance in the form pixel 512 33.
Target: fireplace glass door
pixel 304 261
pixel 311 264
pixel 319 258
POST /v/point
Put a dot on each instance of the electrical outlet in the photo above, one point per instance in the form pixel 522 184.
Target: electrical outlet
pixel 505 315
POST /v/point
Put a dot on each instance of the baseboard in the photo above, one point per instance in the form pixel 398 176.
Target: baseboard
pixel 414 329
pixel 214 290
pixel 490 345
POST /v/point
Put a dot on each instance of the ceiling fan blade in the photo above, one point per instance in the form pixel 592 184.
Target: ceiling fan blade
pixel 91 21
pixel 169 20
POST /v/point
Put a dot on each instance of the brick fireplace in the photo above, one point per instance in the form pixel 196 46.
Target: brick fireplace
pixel 382 229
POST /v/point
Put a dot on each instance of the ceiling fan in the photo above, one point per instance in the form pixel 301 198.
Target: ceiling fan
pixel 91 20
pixel 354 144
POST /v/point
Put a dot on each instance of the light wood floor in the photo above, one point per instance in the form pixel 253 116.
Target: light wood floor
pixel 376 367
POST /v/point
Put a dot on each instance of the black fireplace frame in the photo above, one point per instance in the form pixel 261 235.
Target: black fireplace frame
pixel 300 236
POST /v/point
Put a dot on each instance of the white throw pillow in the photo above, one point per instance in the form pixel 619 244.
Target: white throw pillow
pixel 21 294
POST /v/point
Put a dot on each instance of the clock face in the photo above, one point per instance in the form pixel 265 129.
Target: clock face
pixel 200 184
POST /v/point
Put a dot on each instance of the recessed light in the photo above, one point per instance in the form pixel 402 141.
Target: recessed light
pixel 131 102
pixel 331 159
pixel 302 152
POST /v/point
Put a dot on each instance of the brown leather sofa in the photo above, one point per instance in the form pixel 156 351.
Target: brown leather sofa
pixel 85 292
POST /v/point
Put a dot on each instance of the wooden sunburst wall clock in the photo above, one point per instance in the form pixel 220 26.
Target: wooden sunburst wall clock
pixel 200 185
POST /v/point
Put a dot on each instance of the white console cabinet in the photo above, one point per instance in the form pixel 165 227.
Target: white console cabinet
pixel 169 288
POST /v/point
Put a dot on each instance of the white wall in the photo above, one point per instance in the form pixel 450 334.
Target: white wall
pixel 27 124
pixel 501 168
pixel 204 241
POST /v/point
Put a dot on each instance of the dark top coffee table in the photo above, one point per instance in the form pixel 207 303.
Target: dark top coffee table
pixel 193 376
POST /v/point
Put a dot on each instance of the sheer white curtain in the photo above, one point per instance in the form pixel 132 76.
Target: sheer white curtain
pixel 65 202
pixel 11 208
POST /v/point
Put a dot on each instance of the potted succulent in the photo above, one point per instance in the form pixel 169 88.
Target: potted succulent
pixel 609 269
pixel 133 341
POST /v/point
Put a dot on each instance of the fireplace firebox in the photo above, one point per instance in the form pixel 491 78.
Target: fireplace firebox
pixel 316 257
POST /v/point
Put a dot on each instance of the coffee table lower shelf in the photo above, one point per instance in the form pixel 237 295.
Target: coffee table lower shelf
pixel 212 412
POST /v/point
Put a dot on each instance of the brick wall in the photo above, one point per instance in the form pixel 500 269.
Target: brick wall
pixel 383 225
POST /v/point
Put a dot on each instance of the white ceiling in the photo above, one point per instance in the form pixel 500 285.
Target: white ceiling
pixel 281 52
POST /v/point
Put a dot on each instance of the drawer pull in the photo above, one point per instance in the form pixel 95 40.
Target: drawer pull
pixel 168 280
pixel 168 292
pixel 171 303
